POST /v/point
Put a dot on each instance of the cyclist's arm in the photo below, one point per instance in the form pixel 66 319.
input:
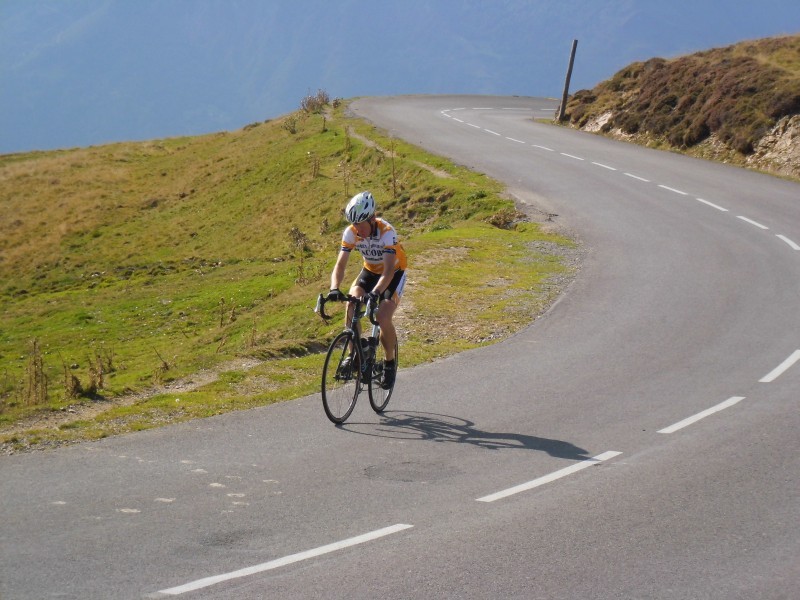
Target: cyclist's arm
pixel 338 271
pixel 389 262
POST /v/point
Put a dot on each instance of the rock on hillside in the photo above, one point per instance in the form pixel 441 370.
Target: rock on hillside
pixel 779 150
pixel 739 104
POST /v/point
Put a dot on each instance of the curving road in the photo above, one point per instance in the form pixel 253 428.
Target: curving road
pixel 638 441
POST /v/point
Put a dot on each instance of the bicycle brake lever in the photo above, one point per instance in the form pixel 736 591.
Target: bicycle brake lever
pixel 320 308
pixel 371 309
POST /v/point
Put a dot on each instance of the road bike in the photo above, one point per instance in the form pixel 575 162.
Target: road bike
pixel 353 364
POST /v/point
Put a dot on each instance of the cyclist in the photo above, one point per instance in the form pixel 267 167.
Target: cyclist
pixel 383 275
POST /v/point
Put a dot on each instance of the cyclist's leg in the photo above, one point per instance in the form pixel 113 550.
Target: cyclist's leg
pixel 358 289
pixel 364 282
pixel 389 347
pixel 388 332
pixel 386 313
pixel 348 317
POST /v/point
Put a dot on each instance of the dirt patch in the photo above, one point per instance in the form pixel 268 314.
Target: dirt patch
pixel 90 409
pixel 389 154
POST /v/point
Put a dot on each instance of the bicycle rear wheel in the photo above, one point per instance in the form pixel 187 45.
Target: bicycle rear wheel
pixel 341 378
pixel 378 394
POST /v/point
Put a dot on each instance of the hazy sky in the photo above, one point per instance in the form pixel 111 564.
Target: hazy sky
pixel 85 72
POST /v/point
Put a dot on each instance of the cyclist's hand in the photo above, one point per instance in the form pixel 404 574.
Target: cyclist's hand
pixel 372 298
pixel 336 295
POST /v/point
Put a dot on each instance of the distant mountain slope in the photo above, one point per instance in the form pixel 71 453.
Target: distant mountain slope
pixel 740 103
pixel 94 71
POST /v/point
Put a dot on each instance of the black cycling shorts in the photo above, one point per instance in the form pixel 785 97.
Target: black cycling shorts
pixel 366 280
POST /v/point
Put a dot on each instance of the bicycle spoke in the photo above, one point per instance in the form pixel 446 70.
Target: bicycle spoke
pixel 341 379
pixel 379 395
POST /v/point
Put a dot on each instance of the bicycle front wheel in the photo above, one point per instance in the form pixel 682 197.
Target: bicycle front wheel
pixel 341 378
pixel 379 392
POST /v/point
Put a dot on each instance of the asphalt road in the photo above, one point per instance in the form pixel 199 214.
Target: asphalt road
pixel 640 440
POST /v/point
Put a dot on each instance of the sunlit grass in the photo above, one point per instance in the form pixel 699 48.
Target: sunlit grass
pixel 162 259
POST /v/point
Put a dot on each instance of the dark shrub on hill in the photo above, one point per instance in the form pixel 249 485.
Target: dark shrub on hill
pixel 737 93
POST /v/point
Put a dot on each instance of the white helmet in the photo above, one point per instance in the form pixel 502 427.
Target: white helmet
pixel 360 208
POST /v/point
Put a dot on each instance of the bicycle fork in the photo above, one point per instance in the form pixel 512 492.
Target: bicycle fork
pixel 368 351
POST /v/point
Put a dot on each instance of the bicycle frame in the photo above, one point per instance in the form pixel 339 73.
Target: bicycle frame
pixel 361 351
pixel 374 336
pixel 372 339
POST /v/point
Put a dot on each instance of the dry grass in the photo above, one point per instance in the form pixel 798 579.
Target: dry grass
pixel 737 94
pixel 139 266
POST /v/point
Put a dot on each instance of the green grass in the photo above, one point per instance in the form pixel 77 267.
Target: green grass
pixel 160 259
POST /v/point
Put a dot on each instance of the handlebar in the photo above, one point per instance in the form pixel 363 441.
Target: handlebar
pixel 370 308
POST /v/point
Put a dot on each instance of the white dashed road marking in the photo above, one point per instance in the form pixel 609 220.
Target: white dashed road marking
pixel 556 475
pixel 632 176
pixel 551 477
pixel 702 415
pixel 281 562
pixel 781 368
pixel 792 245
pixel 669 189
pixel 757 224
pixel 712 205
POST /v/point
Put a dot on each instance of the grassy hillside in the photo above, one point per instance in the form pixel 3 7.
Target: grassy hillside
pixel 731 97
pixel 131 270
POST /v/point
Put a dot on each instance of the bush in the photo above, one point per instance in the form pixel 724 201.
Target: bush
pixel 737 93
pixel 781 105
pixel 313 104
pixel 290 124
pixel 697 132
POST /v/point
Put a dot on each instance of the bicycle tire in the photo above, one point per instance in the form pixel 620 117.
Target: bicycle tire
pixel 378 396
pixel 340 388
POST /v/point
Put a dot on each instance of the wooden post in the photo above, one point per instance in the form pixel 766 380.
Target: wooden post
pixel 562 109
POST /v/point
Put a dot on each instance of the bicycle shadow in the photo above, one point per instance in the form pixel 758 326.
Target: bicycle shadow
pixel 445 428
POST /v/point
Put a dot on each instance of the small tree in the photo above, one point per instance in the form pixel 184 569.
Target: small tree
pixel 35 377
pixel 314 103
pixel 290 124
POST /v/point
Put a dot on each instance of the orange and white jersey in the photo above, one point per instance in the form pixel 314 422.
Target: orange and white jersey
pixel 382 241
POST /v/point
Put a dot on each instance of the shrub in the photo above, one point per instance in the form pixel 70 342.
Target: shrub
pixel 697 132
pixel 290 124
pixel 737 93
pixel 312 104
pixel 781 105
pixel 506 218
pixel 35 378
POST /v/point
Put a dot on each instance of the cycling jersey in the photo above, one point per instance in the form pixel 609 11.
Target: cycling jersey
pixel 382 240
